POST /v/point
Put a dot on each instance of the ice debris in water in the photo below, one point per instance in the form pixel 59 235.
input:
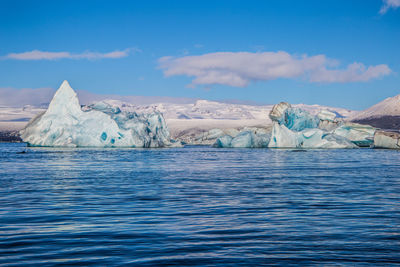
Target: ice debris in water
pixel 65 124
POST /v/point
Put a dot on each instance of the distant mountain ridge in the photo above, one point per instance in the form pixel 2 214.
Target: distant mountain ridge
pixel 384 115
pixel 388 107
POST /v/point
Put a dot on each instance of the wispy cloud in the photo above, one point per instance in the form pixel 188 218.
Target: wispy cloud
pixel 355 72
pixel 388 4
pixel 240 68
pixel 46 55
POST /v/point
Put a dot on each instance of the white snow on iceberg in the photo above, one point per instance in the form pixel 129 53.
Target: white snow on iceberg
pixel 65 124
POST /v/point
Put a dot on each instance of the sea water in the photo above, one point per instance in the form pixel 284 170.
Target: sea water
pixel 198 206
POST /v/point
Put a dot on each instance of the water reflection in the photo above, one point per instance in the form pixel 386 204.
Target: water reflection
pixel 199 205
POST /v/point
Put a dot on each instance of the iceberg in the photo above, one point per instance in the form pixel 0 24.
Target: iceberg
pixel 66 124
pixel 294 119
pixel 317 138
pixel 223 142
pixel 282 137
pixel 296 128
pixel 384 139
pixel 245 139
pixel 361 135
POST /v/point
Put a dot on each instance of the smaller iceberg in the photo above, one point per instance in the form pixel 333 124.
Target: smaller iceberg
pixel 384 139
pixel 223 142
pixel 361 135
pixel 248 138
pixel 65 124
pixel 208 137
pixel 282 137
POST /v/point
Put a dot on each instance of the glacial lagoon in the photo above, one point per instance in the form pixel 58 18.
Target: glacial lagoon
pixel 198 205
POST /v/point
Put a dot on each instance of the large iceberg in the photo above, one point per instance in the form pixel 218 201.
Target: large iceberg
pixel 296 128
pixel 282 137
pixel 65 124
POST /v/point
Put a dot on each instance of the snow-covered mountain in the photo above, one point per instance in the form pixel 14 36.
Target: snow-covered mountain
pixel 384 115
pixel 388 107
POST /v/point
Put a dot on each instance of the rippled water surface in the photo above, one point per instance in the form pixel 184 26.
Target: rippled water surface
pixel 199 206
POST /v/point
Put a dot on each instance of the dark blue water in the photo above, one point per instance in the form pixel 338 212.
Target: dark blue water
pixel 199 206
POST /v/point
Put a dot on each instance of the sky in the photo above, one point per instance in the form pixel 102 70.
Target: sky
pixel 342 53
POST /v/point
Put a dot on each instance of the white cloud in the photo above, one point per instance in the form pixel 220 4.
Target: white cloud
pixel 355 72
pixel 45 55
pixel 241 68
pixel 387 4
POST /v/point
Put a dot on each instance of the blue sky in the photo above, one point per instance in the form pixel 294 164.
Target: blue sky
pixel 337 53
